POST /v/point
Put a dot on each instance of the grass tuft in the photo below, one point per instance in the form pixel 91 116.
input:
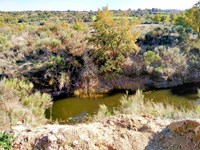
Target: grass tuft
pixel 138 105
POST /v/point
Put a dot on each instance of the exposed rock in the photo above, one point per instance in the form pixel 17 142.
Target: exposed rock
pixel 19 128
pixel 184 126
pixel 128 132
pixel 180 135
pixel 52 138
pixel 117 132
pixel 197 132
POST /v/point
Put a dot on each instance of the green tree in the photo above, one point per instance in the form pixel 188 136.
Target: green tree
pixel 193 18
pixel 165 19
pixel 157 18
pixel 180 19
pixel 113 39
pixel 172 18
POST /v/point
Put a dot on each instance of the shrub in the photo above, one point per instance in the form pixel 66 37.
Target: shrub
pixel 29 110
pixel 37 102
pixel 78 26
pixel 23 88
pixel 42 23
pixel 102 113
pixel 180 38
pixel 166 40
pixel 151 57
pixel 64 24
pixel 56 63
pixel 6 140
pixel 64 80
pixel 148 36
pixel 54 28
pixel 55 42
pixel 138 105
pixel 43 42
pixel 1 47
pixel 179 29
pixel 188 30
pixel 43 34
pixel 173 60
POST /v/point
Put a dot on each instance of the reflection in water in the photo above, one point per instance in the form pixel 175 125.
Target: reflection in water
pixel 78 107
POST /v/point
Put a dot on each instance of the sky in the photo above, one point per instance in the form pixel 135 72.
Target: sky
pixel 63 5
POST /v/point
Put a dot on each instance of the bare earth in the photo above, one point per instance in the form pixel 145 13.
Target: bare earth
pixel 122 132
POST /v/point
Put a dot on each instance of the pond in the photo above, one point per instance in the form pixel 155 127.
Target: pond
pixel 76 108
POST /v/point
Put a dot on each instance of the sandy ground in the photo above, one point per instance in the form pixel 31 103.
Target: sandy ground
pixel 122 132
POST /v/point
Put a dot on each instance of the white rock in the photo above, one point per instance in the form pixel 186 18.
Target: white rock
pixel 52 138
pixel 19 128
pixel 19 123
pixel 81 137
pixel 75 143
pixel 54 131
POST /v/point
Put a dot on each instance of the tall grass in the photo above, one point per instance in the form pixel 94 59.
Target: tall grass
pixel 138 105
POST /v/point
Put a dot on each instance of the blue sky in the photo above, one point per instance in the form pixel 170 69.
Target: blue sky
pixel 63 5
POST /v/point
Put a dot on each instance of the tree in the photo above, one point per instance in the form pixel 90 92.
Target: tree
pixel 190 18
pixel 157 18
pixel 172 18
pixel 193 18
pixel 180 19
pixel 113 39
pixel 164 18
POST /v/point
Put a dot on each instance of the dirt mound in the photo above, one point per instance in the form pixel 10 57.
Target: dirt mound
pixel 122 132
pixel 180 135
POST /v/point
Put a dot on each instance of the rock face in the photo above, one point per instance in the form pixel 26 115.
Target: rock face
pixel 122 132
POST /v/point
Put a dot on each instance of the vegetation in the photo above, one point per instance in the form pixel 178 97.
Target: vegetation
pixel 113 39
pixel 6 140
pixel 87 53
pixel 43 17
pixel 20 105
pixel 138 105
pixel 190 18
pixel 66 55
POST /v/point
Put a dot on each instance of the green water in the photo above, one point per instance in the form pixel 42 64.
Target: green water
pixel 78 107
pixel 165 96
pixel 74 107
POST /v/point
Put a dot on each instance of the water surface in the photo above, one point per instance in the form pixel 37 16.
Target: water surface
pixel 74 107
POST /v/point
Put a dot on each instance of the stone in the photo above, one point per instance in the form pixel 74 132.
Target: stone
pixel 19 128
pixel 54 131
pixel 183 126
pixel 197 132
pixel 19 123
pixel 52 139
pixel 74 143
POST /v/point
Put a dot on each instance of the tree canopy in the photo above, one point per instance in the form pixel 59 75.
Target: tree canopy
pixel 193 18
pixel 113 38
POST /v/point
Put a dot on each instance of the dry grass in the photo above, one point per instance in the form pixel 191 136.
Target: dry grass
pixel 136 104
